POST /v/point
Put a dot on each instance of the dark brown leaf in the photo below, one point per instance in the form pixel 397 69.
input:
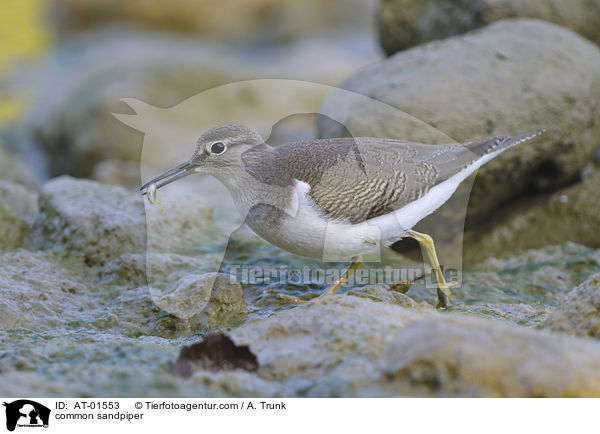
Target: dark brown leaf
pixel 217 352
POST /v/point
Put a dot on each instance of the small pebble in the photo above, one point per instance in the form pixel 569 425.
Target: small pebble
pixel 563 198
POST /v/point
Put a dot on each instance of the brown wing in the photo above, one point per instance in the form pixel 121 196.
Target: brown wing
pixel 361 178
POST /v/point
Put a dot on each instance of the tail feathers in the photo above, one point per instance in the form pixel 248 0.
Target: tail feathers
pixel 499 143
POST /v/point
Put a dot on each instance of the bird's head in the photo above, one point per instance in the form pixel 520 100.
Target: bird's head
pixel 218 153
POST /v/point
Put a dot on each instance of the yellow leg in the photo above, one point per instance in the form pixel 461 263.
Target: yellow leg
pixel 355 265
pixel 443 289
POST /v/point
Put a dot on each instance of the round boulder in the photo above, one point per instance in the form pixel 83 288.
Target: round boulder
pixel 511 77
pixel 405 23
pixel 577 312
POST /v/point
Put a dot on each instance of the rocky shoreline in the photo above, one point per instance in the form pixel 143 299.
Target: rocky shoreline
pixel 100 290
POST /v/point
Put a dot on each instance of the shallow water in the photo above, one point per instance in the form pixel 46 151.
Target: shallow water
pixel 522 289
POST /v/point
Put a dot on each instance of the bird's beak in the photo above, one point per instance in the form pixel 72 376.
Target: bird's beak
pixel 184 169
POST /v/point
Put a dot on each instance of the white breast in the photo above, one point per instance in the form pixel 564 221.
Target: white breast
pixel 309 233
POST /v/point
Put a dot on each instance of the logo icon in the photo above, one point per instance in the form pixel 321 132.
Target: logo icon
pixel 26 413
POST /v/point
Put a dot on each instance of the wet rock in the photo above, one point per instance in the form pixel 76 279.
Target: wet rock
pixel 201 297
pixel 238 383
pixel 461 356
pixel 21 199
pixel 104 222
pixel 54 363
pixel 383 293
pixel 18 210
pixel 134 313
pixel 13 229
pixel 404 23
pixel 335 346
pixel 127 269
pixel 578 311
pixel 523 288
pixel 101 222
pixel 134 268
pixel 38 293
pixel 306 344
pixel 377 349
pixel 552 82
pixel 184 312
pixel 570 214
pixel 227 300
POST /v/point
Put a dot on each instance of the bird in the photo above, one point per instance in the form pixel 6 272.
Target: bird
pixel 337 198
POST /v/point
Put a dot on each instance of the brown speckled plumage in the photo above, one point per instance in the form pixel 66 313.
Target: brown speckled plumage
pixel 361 178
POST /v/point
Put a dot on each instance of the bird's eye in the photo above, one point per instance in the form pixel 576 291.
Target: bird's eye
pixel 217 148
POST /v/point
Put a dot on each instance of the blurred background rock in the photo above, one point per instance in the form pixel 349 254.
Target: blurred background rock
pixel 90 54
pixel 512 76
pixel 223 20
pixel 404 23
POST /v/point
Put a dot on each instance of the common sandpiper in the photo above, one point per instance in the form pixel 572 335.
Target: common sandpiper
pixel 340 198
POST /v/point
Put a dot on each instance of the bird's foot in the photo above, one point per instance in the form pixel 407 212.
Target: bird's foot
pixel 443 292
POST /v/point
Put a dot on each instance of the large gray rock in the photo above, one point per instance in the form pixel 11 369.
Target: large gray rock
pixel 42 293
pixel 579 311
pixel 103 221
pixel 296 342
pixel 461 356
pixel 570 214
pixel 404 23
pixel 344 345
pixel 510 77
pixel 325 343
pixel 38 293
